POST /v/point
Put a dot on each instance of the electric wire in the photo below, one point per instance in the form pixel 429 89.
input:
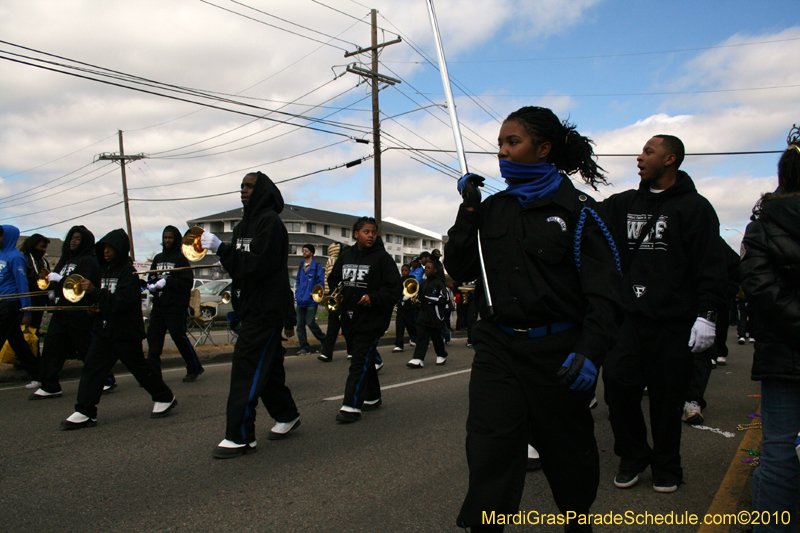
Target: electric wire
pixel 57 159
pixel 60 206
pixel 74 218
pixel 272 25
pixel 28 193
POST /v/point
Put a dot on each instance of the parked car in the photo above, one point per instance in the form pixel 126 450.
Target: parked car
pixel 198 282
pixel 211 292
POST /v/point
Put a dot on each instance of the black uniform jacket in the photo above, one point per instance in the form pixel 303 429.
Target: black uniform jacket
pixel 372 272
pixel 770 272
pixel 530 264
pixel 175 294
pixel 433 296
pixel 679 271
pixel 82 262
pixel 257 258
pixel 120 294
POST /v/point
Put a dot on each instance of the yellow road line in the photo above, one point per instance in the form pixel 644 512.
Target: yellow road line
pixel 730 490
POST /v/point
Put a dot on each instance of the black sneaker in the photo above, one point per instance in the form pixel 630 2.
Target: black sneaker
pixel 325 358
pixel 346 417
pixel 624 480
pixel 302 351
pixel 371 406
pixel 534 463
pixel 664 485
pixel 191 377
pixel 109 387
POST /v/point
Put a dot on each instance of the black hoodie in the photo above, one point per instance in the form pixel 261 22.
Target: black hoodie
pixel 679 271
pixel 119 294
pixel 175 294
pixel 257 258
pixel 82 262
pixel 372 272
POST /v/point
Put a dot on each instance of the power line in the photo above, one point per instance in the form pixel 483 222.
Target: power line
pixel 292 23
pixel 605 56
pixel 58 159
pixel 156 84
pixel 23 195
pixel 273 25
pixel 74 218
pixel 59 207
pixel 657 93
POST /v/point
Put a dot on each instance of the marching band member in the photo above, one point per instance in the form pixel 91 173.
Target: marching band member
pixel 256 260
pixel 118 334
pixel 555 308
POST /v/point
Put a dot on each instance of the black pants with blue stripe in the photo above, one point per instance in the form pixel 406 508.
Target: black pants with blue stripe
pixel 257 372
pixel 362 381
pixel 174 321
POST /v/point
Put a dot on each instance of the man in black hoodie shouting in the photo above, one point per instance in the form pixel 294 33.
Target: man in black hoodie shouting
pixel 257 259
pixel 675 271
pixel 171 291
pixel 118 334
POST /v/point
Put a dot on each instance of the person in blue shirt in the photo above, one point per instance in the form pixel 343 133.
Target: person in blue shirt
pixel 14 280
pixel 416 269
pixel 309 275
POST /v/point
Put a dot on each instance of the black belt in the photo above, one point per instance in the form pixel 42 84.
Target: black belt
pixel 541 331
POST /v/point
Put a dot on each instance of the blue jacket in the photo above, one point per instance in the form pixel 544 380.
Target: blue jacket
pixel 13 275
pixel 418 273
pixel 306 280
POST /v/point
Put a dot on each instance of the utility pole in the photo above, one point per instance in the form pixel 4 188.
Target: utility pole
pixel 375 79
pixel 122 158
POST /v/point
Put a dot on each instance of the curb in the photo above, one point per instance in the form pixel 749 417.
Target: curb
pixel 72 369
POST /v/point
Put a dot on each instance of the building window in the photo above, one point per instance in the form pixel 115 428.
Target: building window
pixel 326 229
pixel 397 259
pixel 388 238
pixel 293 249
pixel 345 232
pixel 311 228
pixel 324 250
pixel 293 226
pixel 424 243
pixel 200 225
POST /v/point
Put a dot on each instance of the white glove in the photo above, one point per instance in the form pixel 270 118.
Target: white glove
pixel 210 242
pixel 152 288
pixel 52 276
pixel 160 284
pixel 703 335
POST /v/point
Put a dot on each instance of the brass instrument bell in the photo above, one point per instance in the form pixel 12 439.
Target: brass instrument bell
pixel 225 297
pixel 317 293
pixel 411 290
pixel 331 302
pixel 42 282
pixel 72 288
pixel 190 245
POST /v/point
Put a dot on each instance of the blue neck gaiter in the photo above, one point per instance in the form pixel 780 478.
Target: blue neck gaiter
pixel 540 181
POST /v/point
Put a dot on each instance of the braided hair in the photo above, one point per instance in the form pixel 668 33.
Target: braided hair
pixel 571 152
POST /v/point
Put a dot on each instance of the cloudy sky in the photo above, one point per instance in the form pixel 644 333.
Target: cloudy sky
pixel 723 76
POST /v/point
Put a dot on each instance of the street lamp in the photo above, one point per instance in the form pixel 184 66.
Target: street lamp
pixel 736 230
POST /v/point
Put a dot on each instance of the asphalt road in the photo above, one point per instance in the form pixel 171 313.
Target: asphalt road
pixel 401 468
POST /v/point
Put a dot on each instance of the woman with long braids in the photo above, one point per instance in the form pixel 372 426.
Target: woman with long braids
pixel 770 272
pixel 554 282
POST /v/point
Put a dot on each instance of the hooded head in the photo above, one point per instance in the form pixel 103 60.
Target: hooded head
pixel 265 195
pixel 85 246
pixel 10 237
pixel 175 246
pixel 118 240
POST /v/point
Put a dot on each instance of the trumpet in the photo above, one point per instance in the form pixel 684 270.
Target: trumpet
pixel 225 297
pixel 411 291
pixel 190 245
pixel 331 302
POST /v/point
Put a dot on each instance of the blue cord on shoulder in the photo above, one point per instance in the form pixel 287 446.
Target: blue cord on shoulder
pixel 576 245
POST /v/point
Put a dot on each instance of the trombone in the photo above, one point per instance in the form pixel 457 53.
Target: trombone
pixel 42 282
pixel 72 291
pixel 174 269
pixel 54 308
pixel 411 291
pixel 331 302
